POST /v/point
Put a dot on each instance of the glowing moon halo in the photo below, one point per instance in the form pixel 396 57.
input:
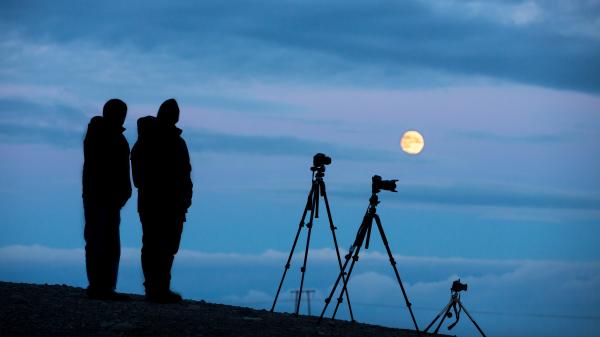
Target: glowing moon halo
pixel 412 142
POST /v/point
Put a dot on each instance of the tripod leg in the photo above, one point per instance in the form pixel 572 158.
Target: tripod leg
pixel 346 280
pixel 437 328
pixel 360 236
pixel 393 263
pixel 287 264
pixel 315 203
pixel 444 310
pixel 335 243
pixel 337 281
pixel 364 228
pixel 456 315
pixel 471 318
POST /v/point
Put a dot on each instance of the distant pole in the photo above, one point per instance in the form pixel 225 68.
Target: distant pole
pixel 308 292
pixel 297 298
pixel 296 306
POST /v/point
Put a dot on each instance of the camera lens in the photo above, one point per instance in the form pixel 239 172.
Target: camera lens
pixel 386 185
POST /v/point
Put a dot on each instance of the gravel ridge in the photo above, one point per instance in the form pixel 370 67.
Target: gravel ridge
pixel 59 310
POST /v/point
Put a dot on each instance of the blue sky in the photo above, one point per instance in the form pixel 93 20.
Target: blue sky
pixel 506 94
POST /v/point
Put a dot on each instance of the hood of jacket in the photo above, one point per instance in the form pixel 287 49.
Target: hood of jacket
pixel 147 126
pixel 151 126
pixel 99 125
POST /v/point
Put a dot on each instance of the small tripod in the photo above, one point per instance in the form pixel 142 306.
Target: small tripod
pixel 364 232
pixel 455 302
pixel 312 206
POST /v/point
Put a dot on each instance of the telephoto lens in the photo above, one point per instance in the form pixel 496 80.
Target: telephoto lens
pixel 386 185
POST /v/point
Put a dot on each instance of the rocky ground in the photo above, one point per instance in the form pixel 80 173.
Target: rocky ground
pixel 59 310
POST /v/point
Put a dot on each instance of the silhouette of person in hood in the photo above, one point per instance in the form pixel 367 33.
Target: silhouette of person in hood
pixel 161 172
pixel 106 189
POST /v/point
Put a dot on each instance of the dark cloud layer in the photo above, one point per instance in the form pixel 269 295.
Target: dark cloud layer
pixel 24 121
pixel 208 141
pixel 518 138
pixel 60 125
pixel 486 196
pixel 294 40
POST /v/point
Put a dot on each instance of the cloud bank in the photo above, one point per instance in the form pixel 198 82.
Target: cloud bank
pixel 507 297
pixel 338 42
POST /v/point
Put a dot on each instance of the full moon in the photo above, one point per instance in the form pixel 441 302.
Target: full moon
pixel 412 142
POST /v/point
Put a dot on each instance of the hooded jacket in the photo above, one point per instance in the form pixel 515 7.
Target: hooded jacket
pixel 161 168
pixel 106 177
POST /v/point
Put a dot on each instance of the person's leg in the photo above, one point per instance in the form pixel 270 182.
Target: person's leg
pixel 151 239
pixel 172 245
pixel 93 246
pixel 102 251
pixel 166 248
pixel 113 247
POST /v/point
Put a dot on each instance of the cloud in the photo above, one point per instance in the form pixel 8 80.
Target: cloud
pixel 525 13
pixel 31 121
pixel 572 18
pixel 516 138
pixel 492 195
pixel 251 297
pixel 38 254
pixel 21 133
pixel 246 104
pixel 214 142
pixel 24 121
pixel 35 254
pixel 516 13
pixel 535 297
pixel 341 42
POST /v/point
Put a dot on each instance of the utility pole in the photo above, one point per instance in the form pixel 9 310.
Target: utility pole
pixel 296 297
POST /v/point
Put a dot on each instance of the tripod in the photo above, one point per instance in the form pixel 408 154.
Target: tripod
pixel 312 205
pixel 364 232
pixel 453 304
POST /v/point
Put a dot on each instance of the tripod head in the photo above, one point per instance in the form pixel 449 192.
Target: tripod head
pixel 318 171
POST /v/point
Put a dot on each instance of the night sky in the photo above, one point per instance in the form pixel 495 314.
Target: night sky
pixel 505 195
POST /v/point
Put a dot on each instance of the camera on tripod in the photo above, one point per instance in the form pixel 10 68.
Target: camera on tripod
pixel 320 159
pixel 455 304
pixel 457 286
pixel 363 237
pixel 386 185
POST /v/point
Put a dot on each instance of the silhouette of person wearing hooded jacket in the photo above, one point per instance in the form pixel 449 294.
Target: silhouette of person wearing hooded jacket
pixel 161 172
pixel 106 189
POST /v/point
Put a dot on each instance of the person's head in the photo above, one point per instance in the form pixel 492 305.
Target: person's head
pixel 114 112
pixel 168 112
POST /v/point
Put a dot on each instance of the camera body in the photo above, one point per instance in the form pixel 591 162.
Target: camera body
pixel 457 286
pixel 385 185
pixel 320 159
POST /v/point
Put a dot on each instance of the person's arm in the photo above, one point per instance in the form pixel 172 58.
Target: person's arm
pixel 188 186
pixel 125 183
